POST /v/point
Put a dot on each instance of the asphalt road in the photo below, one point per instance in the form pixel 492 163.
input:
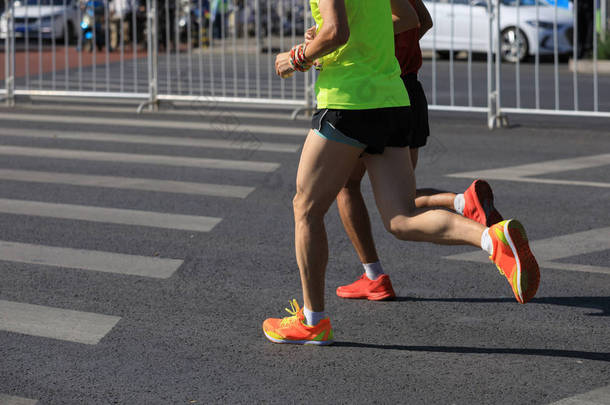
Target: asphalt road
pixel 105 298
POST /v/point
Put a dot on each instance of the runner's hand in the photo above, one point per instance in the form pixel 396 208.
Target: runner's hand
pixel 310 34
pixel 282 65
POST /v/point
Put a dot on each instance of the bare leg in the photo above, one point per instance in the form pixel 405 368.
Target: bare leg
pixel 355 216
pixel 414 153
pixel 429 197
pixel 393 184
pixel 323 169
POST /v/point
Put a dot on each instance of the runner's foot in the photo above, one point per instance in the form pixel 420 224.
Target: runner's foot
pixel 514 259
pixel 374 290
pixel 292 329
pixel 479 204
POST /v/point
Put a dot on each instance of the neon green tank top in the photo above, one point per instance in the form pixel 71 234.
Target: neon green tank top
pixel 363 73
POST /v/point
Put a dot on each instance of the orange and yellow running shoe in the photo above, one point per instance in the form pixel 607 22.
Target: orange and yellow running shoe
pixel 479 204
pixel 514 259
pixel 293 329
pixel 374 290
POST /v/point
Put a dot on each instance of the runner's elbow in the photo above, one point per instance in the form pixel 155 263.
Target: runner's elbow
pixel 339 35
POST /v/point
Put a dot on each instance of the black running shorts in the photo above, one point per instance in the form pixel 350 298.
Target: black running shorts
pixel 375 128
pixel 419 111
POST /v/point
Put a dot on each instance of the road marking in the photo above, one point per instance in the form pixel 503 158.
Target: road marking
pixel 203 109
pixel 250 143
pixel 55 323
pixel 109 215
pixel 599 396
pixel 163 160
pixel 559 247
pixel 524 173
pixel 106 262
pixel 232 125
pixel 130 183
pixel 11 400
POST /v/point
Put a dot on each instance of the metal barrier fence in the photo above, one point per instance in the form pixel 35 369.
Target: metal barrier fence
pixel 103 48
pixel 503 56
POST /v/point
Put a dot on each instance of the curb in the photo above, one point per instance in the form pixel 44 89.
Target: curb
pixel 586 66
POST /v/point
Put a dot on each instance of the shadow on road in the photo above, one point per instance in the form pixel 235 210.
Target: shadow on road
pixel 599 303
pixel 482 350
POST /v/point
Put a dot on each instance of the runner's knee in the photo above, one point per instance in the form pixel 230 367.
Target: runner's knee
pixel 401 228
pixel 308 208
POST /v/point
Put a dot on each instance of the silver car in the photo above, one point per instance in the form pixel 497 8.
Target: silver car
pixel 523 33
pixel 47 18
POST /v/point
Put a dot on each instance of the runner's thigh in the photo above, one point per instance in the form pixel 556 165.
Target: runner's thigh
pixel 324 168
pixel 393 182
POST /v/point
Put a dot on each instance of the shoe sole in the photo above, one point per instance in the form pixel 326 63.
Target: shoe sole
pixel 483 192
pixel 528 271
pixel 372 297
pixel 299 342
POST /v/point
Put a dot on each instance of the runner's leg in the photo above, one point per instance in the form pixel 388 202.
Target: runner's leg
pixel 355 216
pixel 393 184
pixel 324 168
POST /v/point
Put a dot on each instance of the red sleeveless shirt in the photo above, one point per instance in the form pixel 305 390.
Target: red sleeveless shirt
pixel 407 50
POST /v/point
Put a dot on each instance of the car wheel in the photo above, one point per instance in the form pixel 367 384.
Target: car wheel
pixel 514 46
pixel 444 54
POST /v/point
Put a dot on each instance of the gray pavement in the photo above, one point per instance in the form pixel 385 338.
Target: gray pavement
pixel 99 308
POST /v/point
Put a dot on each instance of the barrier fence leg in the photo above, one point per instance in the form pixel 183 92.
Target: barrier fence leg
pixel 490 70
pixel 498 119
pixel 9 57
pixel 152 49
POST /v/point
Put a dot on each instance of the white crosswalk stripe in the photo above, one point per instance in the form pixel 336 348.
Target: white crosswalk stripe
pixel 203 109
pixel 55 323
pixel 162 160
pixel 229 126
pixel 109 215
pixel 600 396
pixel 89 260
pixel 250 143
pixel 12 400
pixel 130 183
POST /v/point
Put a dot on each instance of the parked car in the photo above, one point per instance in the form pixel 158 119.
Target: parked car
pixel 50 18
pixel 518 40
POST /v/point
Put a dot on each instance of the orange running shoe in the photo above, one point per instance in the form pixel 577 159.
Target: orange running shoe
pixel 374 290
pixel 479 204
pixel 514 259
pixel 293 329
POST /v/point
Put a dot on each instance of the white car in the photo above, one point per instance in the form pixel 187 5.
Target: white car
pixel 50 18
pixel 518 37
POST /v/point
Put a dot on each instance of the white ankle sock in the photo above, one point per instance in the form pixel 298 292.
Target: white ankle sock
pixel 373 270
pixel 486 242
pixel 458 204
pixel 312 318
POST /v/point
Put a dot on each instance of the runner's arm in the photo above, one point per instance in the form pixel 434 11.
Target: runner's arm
pixel 334 32
pixel 404 16
pixel 425 19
